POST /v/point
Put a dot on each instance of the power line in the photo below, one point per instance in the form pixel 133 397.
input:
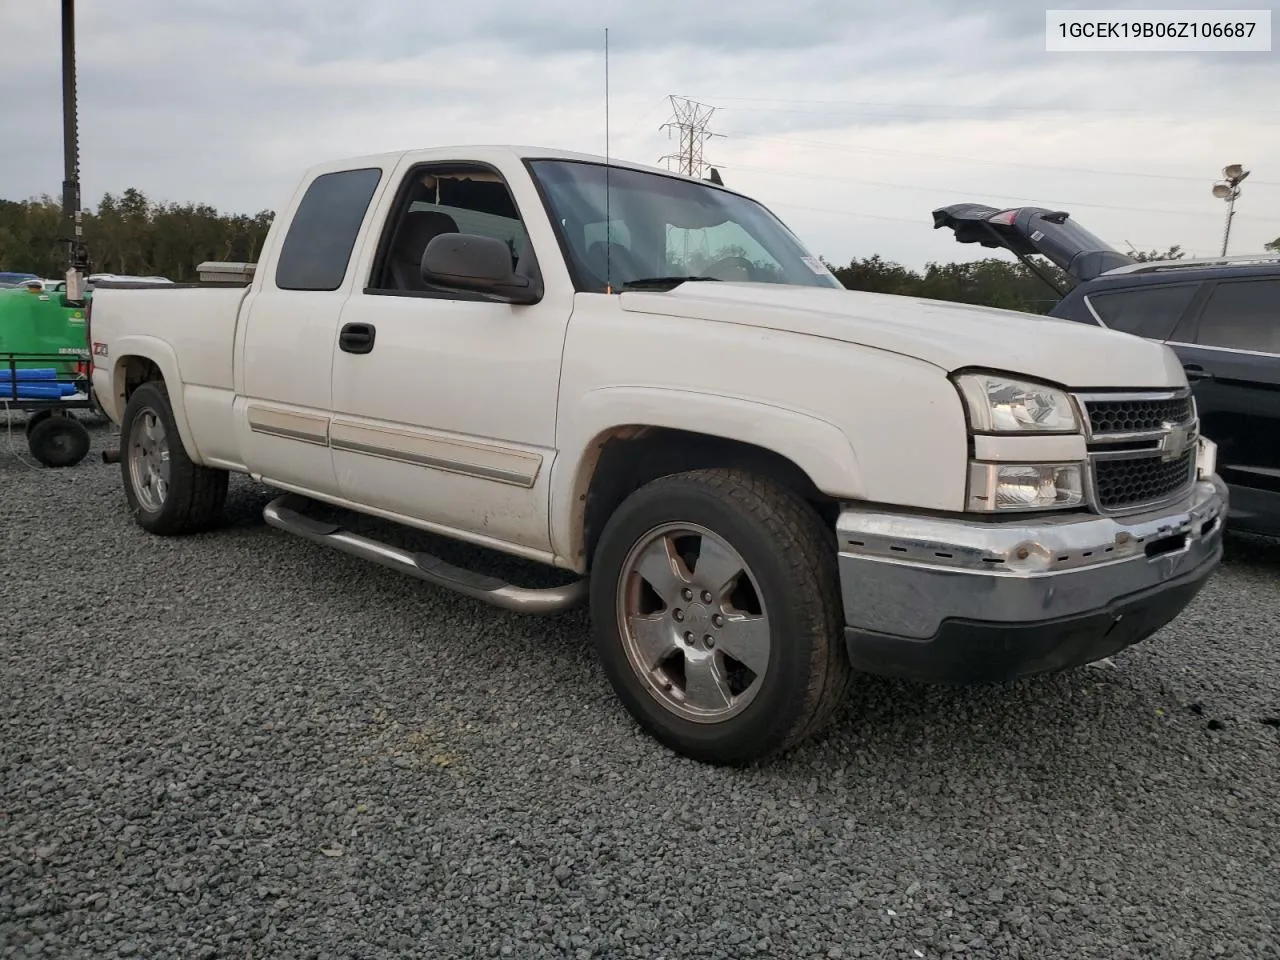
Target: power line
pixel 842 148
pixel 966 192
pixel 689 120
pixel 1133 112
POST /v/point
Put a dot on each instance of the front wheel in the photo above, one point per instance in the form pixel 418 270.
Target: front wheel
pixel 167 492
pixel 717 616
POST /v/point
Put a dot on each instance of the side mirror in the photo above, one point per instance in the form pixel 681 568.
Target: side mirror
pixel 465 261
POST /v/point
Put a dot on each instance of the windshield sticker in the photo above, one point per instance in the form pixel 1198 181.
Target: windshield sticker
pixel 816 265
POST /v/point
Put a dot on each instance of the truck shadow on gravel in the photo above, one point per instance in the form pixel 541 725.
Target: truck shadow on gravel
pixel 884 721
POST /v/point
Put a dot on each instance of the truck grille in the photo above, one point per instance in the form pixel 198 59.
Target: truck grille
pixel 1133 415
pixel 1142 449
pixel 1120 484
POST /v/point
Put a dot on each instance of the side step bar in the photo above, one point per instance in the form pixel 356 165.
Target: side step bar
pixel 286 513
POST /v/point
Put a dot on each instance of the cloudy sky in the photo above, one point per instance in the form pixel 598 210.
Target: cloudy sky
pixel 851 119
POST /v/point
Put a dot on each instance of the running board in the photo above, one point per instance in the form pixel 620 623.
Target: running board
pixel 286 513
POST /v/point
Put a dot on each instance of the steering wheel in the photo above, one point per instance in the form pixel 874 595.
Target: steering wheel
pixel 736 268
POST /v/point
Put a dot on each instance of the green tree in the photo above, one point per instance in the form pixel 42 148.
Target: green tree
pixel 130 233
pixel 1173 253
pixel 991 282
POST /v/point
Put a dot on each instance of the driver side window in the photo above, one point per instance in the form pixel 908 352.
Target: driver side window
pixel 440 199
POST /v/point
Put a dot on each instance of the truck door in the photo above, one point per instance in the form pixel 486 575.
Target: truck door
pixel 285 346
pixel 1231 352
pixel 444 403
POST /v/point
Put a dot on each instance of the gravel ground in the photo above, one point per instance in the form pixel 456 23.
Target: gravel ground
pixel 243 745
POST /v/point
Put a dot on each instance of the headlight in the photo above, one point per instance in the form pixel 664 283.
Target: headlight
pixel 1003 405
pixel 1025 486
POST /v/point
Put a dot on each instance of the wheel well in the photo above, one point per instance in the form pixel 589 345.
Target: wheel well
pixel 133 373
pixel 628 458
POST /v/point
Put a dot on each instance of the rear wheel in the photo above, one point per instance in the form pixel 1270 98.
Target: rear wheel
pixel 168 494
pixel 57 440
pixel 38 417
pixel 717 616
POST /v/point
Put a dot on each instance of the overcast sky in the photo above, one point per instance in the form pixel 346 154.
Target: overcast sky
pixel 851 119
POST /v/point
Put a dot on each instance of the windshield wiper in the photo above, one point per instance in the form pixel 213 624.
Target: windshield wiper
pixel 660 283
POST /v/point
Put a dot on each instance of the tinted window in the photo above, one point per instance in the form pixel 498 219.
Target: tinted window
pixel 1243 315
pixel 318 245
pixel 1150 312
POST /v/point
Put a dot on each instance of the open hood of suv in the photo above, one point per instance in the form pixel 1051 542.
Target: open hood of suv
pixel 1031 230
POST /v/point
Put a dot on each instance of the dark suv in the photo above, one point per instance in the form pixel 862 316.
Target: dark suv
pixel 1221 317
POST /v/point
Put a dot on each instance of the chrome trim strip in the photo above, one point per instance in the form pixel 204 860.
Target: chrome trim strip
pixel 468 458
pixel 433 463
pixel 482 461
pixel 286 434
pixel 1088 302
pixel 288 424
pixel 1205 346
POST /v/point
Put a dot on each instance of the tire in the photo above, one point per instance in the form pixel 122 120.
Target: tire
pixel 789 561
pixel 168 494
pixel 38 417
pixel 58 441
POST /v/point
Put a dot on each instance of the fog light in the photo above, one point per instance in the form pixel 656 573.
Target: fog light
pixel 1025 486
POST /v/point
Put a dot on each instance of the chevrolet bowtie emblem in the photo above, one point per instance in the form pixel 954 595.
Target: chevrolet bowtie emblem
pixel 1174 442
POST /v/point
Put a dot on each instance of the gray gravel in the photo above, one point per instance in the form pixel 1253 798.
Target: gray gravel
pixel 242 745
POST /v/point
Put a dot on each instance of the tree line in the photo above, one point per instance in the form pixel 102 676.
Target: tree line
pixel 131 234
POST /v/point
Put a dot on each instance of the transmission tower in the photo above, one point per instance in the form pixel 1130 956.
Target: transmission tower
pixel 689 119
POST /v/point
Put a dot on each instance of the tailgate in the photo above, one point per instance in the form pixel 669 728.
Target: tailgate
pixel 1033 230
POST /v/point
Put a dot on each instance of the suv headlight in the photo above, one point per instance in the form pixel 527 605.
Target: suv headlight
pixel 1004 405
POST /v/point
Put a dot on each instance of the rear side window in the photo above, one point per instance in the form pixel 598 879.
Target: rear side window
pixel 318 246
pixel 1150 312
pixel 1242 315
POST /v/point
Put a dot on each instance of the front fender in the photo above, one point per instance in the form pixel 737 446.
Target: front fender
pixel 163 356
pixel 817 447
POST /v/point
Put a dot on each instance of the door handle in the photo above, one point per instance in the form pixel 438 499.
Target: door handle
pixel 356 337
pixel 1196 372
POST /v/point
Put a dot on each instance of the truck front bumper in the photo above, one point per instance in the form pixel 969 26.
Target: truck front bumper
pixel 969 601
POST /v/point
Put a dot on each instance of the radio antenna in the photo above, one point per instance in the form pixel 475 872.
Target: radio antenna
pixel 608 214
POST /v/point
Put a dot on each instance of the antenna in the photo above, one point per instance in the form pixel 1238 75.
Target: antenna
pixel 608 214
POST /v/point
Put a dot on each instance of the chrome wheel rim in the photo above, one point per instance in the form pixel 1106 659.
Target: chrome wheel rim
pixel 149 459
pixel 693 622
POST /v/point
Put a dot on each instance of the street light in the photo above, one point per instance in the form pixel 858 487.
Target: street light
pixel 1228 189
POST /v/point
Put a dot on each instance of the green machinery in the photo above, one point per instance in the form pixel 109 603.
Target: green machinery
pixel 44 368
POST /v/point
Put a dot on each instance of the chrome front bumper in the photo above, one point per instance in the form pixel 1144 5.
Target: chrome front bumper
pixel 1023 596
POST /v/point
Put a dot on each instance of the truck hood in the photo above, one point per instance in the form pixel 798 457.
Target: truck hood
pixel 948 335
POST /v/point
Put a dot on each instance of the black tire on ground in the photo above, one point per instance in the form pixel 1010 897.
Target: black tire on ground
pixel 58 441
pixel 791 556
pixel 195 494
pixel 38 417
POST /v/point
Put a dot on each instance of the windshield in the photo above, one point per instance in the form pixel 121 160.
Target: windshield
pixel 664 226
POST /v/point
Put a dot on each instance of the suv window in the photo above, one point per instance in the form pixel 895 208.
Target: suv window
pixel 1242 315
pixel 317 248
pixel 1150 312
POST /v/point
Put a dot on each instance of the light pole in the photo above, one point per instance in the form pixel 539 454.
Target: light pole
pixel 77 256
pixel 1228 189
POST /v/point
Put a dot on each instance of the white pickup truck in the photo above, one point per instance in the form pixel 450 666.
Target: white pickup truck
pixel 762 483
